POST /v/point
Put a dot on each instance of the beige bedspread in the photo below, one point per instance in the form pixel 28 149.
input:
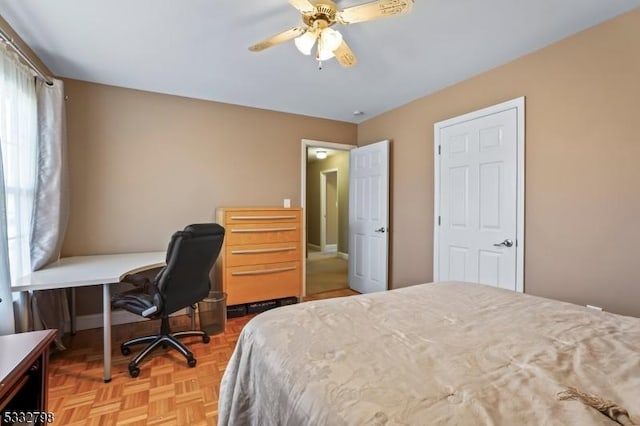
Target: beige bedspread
pixel 445 353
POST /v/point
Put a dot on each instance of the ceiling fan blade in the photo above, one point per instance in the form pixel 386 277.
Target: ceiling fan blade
pixel 304 6
pixel 374 10
pixel 345 56
pixel 278 38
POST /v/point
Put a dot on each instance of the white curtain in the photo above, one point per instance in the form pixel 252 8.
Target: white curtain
pixel 51 209
pixel 18 138
pixel 6 303
pixel 51 204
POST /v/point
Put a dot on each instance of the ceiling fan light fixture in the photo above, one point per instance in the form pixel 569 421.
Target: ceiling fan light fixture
pixel 305 42
pixel 317 18
pixel 327 43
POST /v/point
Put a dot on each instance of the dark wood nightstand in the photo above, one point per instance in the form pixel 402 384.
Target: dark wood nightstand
pixel 24 359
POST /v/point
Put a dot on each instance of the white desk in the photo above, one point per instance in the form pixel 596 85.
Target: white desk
pixel 80 271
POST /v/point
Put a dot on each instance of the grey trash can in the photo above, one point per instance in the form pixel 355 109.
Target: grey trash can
pixel 212 312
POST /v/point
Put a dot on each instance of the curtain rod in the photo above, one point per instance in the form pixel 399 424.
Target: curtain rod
pixel 9 40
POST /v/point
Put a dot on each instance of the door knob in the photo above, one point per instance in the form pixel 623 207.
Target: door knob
pixel 505 243
pixel 381 229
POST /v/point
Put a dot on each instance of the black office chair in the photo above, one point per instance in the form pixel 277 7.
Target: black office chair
pixel 182 283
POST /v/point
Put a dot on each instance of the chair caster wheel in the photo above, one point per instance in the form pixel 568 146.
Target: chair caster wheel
pixel 205 339
pixel 125 350
pixel 134 372
pixel 191 362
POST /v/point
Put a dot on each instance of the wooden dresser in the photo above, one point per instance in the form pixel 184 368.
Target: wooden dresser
pixel 24 361
pixel 262 255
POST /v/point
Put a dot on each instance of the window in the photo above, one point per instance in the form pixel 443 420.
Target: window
pixel 18 139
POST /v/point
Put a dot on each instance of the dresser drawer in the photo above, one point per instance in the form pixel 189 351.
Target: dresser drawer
pixel 233 217
pixel 245 284
pixel 262 254
pixel 263 233
pixel 253 254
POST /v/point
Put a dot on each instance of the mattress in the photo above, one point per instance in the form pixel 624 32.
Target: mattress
pixel 443 353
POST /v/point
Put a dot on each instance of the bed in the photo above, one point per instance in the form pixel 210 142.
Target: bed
pixel 443 353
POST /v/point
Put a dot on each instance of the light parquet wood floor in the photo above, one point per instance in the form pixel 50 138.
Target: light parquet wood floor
pixel 167 391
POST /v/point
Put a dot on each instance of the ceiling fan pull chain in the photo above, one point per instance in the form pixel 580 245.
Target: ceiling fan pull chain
pixel 319 65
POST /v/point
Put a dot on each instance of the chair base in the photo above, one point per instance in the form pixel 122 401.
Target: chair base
pixel 164 339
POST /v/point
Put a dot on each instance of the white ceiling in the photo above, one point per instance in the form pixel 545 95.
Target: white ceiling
pixel 198 48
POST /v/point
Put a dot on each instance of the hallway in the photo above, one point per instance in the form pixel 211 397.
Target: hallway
pixel 326 272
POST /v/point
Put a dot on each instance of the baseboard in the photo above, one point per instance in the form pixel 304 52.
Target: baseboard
pixel 328 248
pixel 344 256
pixel 86 322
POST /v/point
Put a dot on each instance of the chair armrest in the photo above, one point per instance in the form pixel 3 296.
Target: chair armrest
pixel 142 278
pixel 149 311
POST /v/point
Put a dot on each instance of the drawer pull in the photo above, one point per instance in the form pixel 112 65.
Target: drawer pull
pixel 264 271
pixel 262 217
pixel 253 230
pixel 266 250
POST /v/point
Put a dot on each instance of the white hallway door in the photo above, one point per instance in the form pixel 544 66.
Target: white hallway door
pixel 369 217
pixel 479 197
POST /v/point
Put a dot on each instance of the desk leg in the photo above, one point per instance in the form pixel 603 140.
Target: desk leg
pixel 106 317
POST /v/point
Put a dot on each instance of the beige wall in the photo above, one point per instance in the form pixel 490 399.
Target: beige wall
pixel 143 165
pixel 331 195
pixel 340 161
pixel 582 177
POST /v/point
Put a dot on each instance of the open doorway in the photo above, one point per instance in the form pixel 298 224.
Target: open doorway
pixel 325 198
pixel 329 210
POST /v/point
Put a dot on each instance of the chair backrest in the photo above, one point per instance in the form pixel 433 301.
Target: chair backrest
pixel 191 254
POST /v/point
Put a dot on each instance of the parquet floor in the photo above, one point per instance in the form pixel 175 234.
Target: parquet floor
pixel 167 392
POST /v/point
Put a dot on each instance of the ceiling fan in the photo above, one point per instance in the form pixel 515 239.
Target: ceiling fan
pixel 319 15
